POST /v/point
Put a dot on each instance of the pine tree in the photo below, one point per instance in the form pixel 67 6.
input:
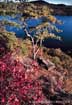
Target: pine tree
pixel 43 30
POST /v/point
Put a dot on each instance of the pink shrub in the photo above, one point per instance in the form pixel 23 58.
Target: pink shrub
pixel 16 85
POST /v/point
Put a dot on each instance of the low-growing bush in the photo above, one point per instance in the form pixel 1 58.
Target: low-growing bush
pixel 17 87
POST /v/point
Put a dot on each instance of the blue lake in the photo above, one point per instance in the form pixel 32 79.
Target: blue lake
pixel 67 30
pixel 66 27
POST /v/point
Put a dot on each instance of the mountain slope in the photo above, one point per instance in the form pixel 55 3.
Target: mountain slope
pixel 57 9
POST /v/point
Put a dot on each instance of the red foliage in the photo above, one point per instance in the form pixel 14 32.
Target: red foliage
pixel 16 85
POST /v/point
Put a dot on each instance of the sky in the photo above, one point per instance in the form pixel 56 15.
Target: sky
pixel 67 2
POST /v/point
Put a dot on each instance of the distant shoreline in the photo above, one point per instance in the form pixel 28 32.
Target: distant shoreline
pixel 57 9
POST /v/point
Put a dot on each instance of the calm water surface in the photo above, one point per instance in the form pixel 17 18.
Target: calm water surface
pixel 66 27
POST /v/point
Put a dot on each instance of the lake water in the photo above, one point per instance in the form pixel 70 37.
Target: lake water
pixel 67 30
pixel 19 31
pixel 66 27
